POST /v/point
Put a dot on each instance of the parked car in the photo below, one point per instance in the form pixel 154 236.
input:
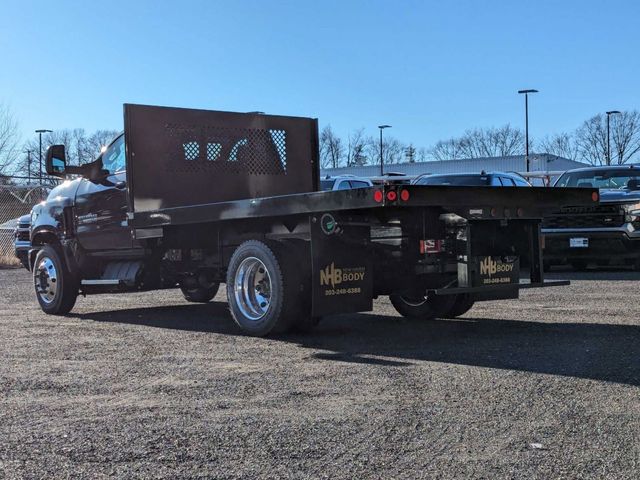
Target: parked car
pixel 604 234
pixel 393 178
pixel 491 179
pixel 21 242
pixel 344 182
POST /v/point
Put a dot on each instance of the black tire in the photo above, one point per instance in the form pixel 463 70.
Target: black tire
pixel 272 302
pixel 462 304
pixel 427 308
pixel 579 265
pixel 200 294
pixel 55 286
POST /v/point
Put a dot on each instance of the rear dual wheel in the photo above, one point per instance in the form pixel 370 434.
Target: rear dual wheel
pixel 265 287
pixel 431 306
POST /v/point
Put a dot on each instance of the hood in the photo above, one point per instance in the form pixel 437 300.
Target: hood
pixel 619 196
pixel 65 189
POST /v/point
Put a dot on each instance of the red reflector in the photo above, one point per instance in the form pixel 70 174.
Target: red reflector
pixel 377 196
pixel 494 212
pixel 595 197
pixel 404 195
pixel 520 212
pixel 392 195
pixel 431 246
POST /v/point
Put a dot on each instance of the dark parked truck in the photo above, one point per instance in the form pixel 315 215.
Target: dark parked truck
pixel 603 234
pixel 194 198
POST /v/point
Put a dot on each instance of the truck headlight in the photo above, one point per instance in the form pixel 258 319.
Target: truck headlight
pixel 632 215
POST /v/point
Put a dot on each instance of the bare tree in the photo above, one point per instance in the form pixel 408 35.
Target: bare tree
pixel 447 150
pixel 591 138
pixel 625 137
pixel 331 148
pixel 79 147
pixel 356 146
pixel 9 140
pixel 481 142
pixel 562 145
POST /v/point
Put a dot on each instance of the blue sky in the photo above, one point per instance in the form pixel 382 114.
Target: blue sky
pixel 430 69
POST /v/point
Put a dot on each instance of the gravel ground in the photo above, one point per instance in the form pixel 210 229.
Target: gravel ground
pixel 147 385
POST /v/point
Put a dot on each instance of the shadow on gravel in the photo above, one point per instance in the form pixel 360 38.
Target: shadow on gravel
pixel 212 317
pixel 601 274
pixel 582 350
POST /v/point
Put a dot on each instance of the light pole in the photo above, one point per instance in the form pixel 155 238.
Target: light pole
pixel 609 113
pixel 382 127
pixel 40 132
pixel 526 122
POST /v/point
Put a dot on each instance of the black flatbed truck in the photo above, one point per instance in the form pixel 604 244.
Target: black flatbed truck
pixel 195 198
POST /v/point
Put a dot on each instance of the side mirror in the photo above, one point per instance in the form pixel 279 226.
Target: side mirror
pixel 56 162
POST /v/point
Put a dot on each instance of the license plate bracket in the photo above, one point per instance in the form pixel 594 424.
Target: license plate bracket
pixel 579 242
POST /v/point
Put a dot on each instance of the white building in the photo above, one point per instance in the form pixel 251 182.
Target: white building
pixel 539 162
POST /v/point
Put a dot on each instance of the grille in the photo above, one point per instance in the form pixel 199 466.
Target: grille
pixel 229 150
pixel 23 235
pixel 600 216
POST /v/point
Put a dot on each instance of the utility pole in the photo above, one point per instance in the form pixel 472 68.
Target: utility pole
pixel 609 113
pixel 40 132
pixel 29 166
pixel 382 127
pixel 526 122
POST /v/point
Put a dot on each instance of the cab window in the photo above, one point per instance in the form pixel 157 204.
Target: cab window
pixel 507 182
pixel 113 159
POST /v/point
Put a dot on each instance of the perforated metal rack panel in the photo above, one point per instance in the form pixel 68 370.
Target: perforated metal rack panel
pixel 179 157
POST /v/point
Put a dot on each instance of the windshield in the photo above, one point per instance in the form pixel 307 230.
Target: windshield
pixel 326 184
pixel 459 180
pixel 607 179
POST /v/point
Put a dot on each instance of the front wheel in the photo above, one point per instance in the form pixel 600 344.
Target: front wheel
pixel 426 307
pixel 56 287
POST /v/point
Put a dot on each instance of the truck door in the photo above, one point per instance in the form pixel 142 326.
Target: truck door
pixel 101 208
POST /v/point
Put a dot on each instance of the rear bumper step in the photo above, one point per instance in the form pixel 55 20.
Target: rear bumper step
pixel 500 288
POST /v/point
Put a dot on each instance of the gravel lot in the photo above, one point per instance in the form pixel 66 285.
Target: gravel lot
pixel 147 385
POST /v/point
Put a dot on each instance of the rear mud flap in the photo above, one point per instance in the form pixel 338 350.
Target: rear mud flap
pixel 342 271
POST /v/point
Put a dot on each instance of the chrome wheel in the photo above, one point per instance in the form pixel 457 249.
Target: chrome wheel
pixel 45 278
pixel 252 288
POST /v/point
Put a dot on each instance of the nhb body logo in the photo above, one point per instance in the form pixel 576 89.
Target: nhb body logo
pixel 335 276
pixel 490 267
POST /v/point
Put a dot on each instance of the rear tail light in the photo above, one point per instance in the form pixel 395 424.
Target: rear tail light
pixel 378 196
pixel 431 246
pixel 392 196
pixel 595 196
pixel 404 195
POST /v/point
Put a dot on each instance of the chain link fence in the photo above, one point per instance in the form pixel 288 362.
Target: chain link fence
pixel 15 201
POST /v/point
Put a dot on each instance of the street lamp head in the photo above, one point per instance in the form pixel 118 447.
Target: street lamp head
pixel 44 131
pixel 529 90
pixel 610 112
pixel 384 126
